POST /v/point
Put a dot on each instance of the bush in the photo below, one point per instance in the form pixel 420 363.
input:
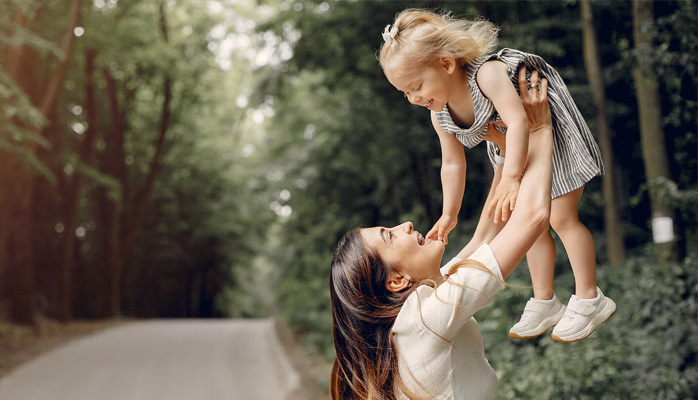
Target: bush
pixel 647 350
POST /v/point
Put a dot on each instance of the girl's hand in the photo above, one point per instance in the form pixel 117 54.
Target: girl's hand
pixel 441 229
pixel 534 98
pixel 504 199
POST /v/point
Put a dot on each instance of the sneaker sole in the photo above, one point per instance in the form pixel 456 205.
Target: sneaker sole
pixel 584 333
pixel 516 336
pixel 557 318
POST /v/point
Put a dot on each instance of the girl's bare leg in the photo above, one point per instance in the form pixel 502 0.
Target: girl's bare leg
pixel 541 266
pixel 589 307
pixel 577 240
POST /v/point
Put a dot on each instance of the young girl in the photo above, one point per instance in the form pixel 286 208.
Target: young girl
pixel 443 64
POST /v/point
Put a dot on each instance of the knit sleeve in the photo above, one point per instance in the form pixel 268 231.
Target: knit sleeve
pixel 447 308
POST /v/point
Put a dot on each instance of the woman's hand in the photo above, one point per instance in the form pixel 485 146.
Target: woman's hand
pixel 534 98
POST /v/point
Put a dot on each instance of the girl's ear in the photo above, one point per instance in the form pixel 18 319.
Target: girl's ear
pixel 397 283
pixel 448 63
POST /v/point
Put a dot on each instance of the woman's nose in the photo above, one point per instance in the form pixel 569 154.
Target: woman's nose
pixel 407 227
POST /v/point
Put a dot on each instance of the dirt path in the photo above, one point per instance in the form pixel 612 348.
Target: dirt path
pixel 172 359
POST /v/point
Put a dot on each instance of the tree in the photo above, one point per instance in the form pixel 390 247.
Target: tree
pixel 134 219
pixel 651 130
pixel 20 65
pixel 614 232
pixel 142 106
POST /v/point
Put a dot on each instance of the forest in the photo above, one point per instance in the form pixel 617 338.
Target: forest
pixel 201 159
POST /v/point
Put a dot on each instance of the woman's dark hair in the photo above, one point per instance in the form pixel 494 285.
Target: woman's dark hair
pixel 363 313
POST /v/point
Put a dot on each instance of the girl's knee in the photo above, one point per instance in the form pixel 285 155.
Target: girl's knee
pixel 564 221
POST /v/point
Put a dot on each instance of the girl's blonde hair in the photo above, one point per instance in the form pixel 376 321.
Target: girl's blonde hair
pixel 423 36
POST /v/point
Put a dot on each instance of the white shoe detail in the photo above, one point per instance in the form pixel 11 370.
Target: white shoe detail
pixel 537 317
pixel 583 316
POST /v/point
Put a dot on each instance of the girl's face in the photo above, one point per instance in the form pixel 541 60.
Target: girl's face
pixel 430 86
pixel 405 250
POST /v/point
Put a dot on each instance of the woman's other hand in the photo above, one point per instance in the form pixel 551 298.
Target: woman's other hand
pixel 534 98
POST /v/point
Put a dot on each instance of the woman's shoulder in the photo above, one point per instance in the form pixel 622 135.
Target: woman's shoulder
pixel 409 316
pixel 445 308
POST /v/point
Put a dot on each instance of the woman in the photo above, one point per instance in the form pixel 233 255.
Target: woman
pixel 403 327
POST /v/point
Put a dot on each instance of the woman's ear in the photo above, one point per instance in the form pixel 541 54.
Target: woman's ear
pixel 448 63
pixel 397 283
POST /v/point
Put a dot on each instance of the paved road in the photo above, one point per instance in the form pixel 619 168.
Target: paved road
pixel 161 360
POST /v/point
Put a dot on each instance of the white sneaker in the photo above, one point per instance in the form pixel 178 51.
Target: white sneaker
pixel 537 317
pixel 583 316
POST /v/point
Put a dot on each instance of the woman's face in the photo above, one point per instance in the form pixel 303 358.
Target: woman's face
pixel 405 250
pixel 430 86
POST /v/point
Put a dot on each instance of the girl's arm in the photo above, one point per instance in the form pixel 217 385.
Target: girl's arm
pixel 493 80
pixel 453 167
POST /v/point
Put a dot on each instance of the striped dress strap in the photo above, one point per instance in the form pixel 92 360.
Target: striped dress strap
pixel 483 110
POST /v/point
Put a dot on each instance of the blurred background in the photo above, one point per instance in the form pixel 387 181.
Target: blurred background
pixel 201 158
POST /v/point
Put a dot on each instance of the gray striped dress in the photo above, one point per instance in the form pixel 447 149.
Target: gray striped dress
pixel 576 156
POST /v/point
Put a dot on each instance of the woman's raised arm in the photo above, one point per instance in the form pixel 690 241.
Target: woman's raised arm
pixel 532 213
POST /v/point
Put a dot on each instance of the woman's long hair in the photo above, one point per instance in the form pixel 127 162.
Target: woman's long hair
pixel 424 36
pixel 363 313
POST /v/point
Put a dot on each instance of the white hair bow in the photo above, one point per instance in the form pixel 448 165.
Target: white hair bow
pixel 389 33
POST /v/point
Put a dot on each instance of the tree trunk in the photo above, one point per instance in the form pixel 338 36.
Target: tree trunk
pixel 112 207
pixel 144 193
pixel 16 253
pixel 120 247
pixel 11 65
pixel 48 105
pixel 56 81
pixel 22 276
pixel 141 198
pixel 651 130
pixel 72 196
pixel 16 232
pixel 614 231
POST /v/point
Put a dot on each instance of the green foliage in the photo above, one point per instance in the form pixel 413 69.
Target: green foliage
pixel 203 222
pixel 669 193
pixel 206 222
pixel 18 35
pixel 648 347
pixel 19 118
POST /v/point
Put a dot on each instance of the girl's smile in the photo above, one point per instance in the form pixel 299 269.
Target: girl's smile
pixel 431 86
